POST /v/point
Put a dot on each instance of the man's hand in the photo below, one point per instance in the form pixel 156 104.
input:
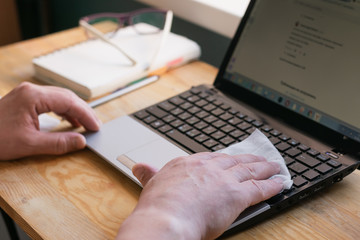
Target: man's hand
pixel 199 196
pixel 19 124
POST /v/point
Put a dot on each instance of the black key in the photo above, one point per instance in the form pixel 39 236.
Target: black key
pixel 210 99
pixel 169 118
pixel 275 133
pixel 243 126
pixel 282 146
pixel 202 114
pixel 176 123
pixel 184 128
pixel 249 119
pixel 184 116
pixel 157 124
pixel 293 152
pixel 274 140
pixel 193 133
pixel 311 175
pixel 308 160
pixel 210 119
pixel 225 106
pixel 288 160
pixel 203 95
pixel 217 102
pixel 227 128
pixel 298 168
pixel 201 138
pixel 165 128
pixel 217 147
pixel 217 135
pixel 141 114
pixel 226 116
pixel 233 111
pixel 218 123
pixel 192 120
pixel 177 111
pixel 209 130
pixel 266 128
pixel 257 124
pixel 303 147
pixel 283 137
pixel 210 143
pixel 194 110
pixel 293 142
pixel 186 105
pixel 149 119
pixel 323 168
pixel 195 91
pixel 209 107
pixel 185 140
pixel 323 157
pixel 234 121
pixel 185 95
pixel 217 111
pixel 240 115
pixel 201 103
pixel 251 130
pixel 313 152
pixel 201 125
pixel 334 163
pixel 176 101
pixel 193 99
pixel 299 181
pixel 227 140
pixel 237 133
pixel 166 106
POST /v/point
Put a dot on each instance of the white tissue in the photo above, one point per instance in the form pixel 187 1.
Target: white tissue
pixel 258 144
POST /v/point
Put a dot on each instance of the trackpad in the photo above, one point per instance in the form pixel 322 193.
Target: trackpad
pixel 124 142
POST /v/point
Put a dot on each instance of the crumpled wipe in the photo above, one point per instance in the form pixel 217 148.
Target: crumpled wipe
pixel 258 144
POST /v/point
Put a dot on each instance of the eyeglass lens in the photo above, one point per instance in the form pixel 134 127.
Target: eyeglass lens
pixel 155 19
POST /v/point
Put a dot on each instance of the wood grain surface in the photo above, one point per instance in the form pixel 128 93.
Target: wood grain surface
pixel 80 196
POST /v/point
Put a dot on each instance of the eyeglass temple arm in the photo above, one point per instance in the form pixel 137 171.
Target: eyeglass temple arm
pixel 165 33
pixel 100 35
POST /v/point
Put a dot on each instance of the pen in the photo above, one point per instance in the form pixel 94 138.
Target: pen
pixel 131 87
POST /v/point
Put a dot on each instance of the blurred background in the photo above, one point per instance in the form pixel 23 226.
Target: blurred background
pixel 26 19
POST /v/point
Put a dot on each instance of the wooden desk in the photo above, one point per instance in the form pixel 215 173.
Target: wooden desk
pixel 79 196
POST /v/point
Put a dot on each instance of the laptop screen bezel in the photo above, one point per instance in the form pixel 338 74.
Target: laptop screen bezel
pixel 341 143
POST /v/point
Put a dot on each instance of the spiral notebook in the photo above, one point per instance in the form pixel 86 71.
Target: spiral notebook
pixel 93 68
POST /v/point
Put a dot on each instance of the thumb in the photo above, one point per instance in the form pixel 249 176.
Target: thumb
pixel 59 143
pixel 143 172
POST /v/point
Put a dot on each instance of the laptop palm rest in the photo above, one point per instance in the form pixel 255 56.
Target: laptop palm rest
pixel 123 142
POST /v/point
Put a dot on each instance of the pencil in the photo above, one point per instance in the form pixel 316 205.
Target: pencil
pixel 131 87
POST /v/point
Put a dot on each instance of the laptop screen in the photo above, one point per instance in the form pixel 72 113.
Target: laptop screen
pixel 305 56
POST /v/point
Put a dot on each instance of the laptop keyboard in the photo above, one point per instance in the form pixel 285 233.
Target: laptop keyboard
pixel 200 122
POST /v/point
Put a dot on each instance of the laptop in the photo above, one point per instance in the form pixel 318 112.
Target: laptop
pixel 292 72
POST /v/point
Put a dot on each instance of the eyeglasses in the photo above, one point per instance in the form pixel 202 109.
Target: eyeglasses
pixel 159 22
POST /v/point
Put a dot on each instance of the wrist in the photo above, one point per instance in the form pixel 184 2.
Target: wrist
pixel 151 223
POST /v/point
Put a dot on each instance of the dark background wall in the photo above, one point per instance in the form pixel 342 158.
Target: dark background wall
pixel 39 17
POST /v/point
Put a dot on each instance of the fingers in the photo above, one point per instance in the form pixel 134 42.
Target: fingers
pixel 67 104
pixel 226 161
pixel 255 170
pixel 57 143
pixel 255 191
pixel 143 172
